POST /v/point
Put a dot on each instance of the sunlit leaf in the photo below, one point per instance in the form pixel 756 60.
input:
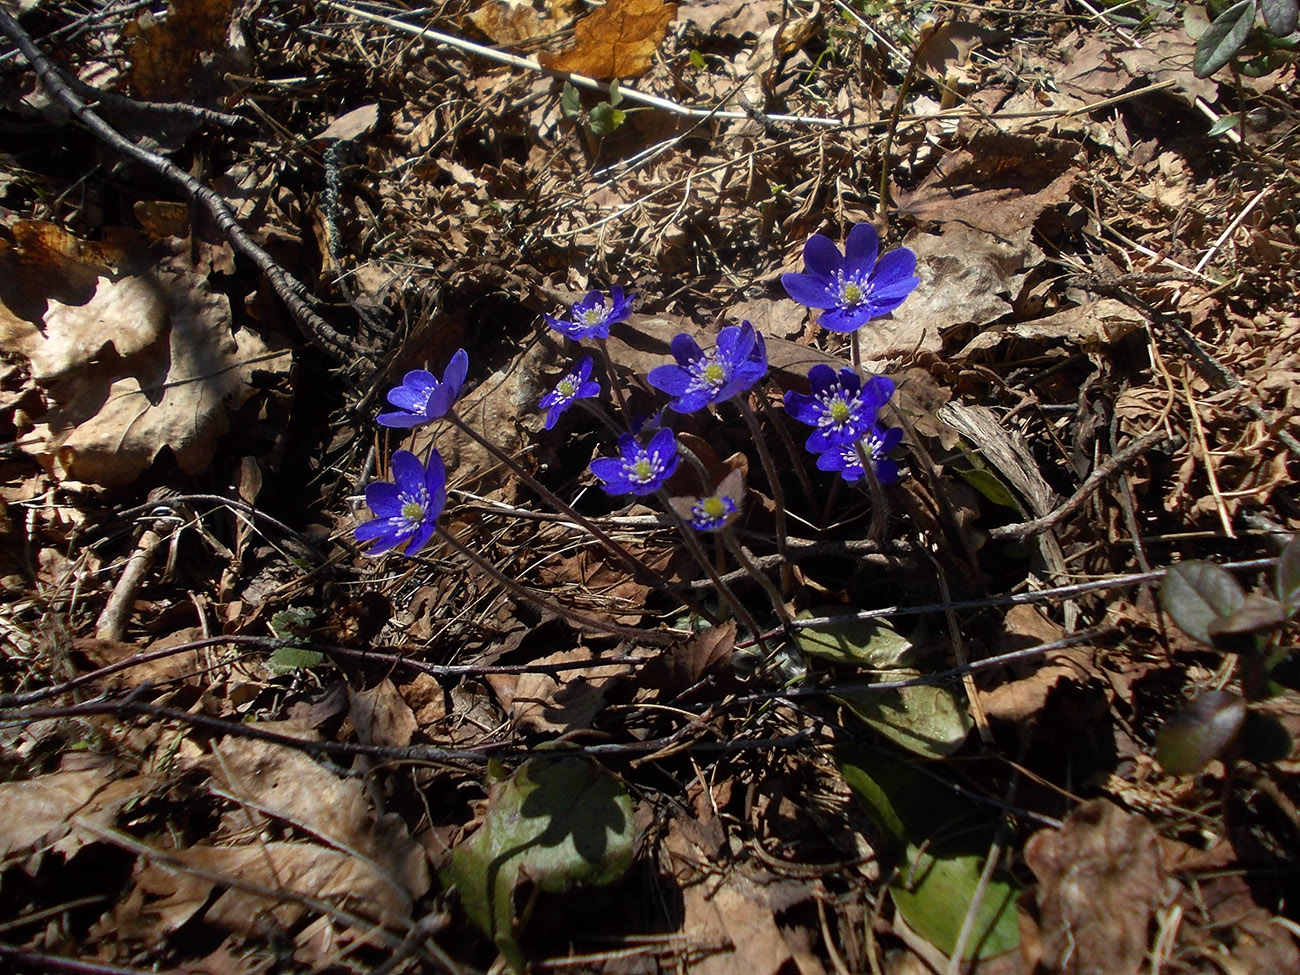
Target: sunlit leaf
pixel 556 822
pixel 1223 38
pixel 926 719
pixel 1195 594
pixel 872 644
pixel 1281 16
pixel 1205 728
pixel 944 840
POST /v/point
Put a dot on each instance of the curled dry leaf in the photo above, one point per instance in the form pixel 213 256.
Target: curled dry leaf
pixel 617 40
pixel 134 353
pixel 1100 879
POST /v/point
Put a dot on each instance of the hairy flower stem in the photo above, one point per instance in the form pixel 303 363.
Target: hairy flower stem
pixel 778 605
pixel 773 482
pixel 640 571
pixel 879 506
pixel 573 616
pixel 796 455
pixel 615 387
pixel 724 590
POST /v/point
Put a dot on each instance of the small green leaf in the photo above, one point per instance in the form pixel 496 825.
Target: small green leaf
pixel 570 101
pixel 1195 594
pixel 605 118
pixel 697 59
pixel 1206 727
pixel 285 660
pixel 293 623
pixel 944 840
pixel 556 822
pixel 1223 38
pixel 873 644
pixel 1223 125
pixel 615 96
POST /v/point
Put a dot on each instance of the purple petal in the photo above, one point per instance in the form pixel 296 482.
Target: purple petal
pixel 877 391
pixel 583 371
pixel 456 371
pixel 435 481
pixel 810 290
pixel 587 390
pixel 663 444
pixel 419 539
pixel 382 498
pixel 685 349
pixel 408 472
pixel 898 263
pixel 845 319
pixel 821 257
pixel 821 377
pixel 378 528
pixel 861 248
pixel 402 421
pixel 673 380
pixel 803 408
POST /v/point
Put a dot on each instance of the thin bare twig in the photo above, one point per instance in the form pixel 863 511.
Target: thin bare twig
pixel 1115 463
pixel 287 287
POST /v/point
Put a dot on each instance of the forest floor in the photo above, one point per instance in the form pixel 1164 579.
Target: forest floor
pixel 233 742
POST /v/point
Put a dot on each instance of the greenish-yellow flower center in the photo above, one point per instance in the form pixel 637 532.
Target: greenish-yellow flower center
pixel 715 507
pixel 566 388
pixel 714 374
pixel 643 470
pixel 838 410
pixel 850 293
pixel 594 316
pixel 413 512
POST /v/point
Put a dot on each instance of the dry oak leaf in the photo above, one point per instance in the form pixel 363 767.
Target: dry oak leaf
pixel 616 41
pixel 1100 880
pixel 167 54
pixel 132 350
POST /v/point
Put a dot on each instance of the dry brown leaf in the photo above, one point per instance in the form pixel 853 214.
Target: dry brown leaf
pixel 559 704
pixel 381 716
pixel 511 22
pixel 999 183
pixel 1100 880
pixel 282 782
pixel 1088 327
pixel 618 40
pixel 134 355
pixel 1019 699
pixel 167 53
pixel 684 664
pixel 968 277
pixel 730 18
pixel 39 812
pixel 307 869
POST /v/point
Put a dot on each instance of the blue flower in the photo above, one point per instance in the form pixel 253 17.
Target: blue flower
pixel 639 470
pixel 593 315
pixel 407 509
pixel 738 361
pixel 841 407
pixel 577 385
pixel 877 443
pixel 422 398
pixel 852 287
pixel 715 511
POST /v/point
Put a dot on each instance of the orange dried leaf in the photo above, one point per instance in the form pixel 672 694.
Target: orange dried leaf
pixel 616 41
pixel 166 55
